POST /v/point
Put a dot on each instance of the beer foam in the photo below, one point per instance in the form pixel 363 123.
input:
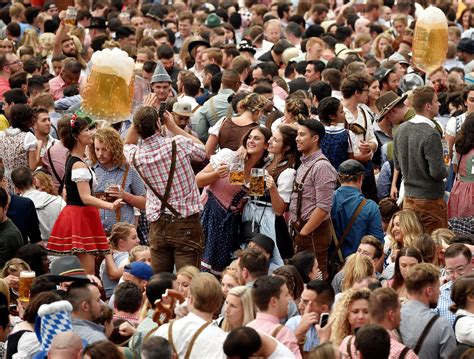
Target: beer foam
pixel 27 274
pixel 115 62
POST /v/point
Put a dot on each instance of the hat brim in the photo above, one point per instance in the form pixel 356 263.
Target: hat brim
pixel 193 44
pixel 185 114
pixel 392 105
pixel 246 49
pixel 64 278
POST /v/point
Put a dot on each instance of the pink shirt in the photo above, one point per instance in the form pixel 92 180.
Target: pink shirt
pixel 56 87
pixel 58 154
pixel 267 323
pixel 279 92
pixel 4 86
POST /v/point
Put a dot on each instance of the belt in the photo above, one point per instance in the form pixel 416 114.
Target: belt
pixel 170 218
pixel 260 203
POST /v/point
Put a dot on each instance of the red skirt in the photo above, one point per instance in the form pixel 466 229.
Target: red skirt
pixel 78 230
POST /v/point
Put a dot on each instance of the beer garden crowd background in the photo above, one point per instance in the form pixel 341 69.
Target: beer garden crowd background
pixel 237 179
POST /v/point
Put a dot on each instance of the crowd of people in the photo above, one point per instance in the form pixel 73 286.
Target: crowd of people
pixel 290 183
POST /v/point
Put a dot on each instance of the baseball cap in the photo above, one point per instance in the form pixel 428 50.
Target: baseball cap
pixel 263 241
pixel 140 270
pixel 182 108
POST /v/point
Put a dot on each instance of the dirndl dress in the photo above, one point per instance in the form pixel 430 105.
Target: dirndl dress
pixel 78 228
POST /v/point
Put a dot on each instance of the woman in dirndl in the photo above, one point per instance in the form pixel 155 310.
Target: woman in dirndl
pixel 222 200
pixel 78 229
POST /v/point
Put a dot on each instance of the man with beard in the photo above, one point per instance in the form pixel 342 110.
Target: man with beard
pixel 69 75
pixel 422 285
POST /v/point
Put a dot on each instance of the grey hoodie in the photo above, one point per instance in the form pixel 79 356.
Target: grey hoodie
pixel 47 207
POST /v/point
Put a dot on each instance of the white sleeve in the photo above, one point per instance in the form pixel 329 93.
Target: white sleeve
pixel 285 184
pixel 451 127
pixel 30 143
pixel 81 175
pixel 276 124
pixel 214 130
pixel 226 155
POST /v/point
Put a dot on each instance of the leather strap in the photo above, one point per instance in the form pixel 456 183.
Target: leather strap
pixel 276 330
pixel 164 198
pixel 348 228
pixel 55 173
pixel 424 334
pixel 299 187
pixel 170 338
pixel 124 179
pixel 193 339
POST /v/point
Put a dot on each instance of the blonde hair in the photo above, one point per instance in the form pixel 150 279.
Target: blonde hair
pixel 356 268
pixel 441 235
pixel 206 293
pixel 361 39
pixel 111 139
pixel 288 54
pixel 232 272
pixel 341 327
pixel 46 43
pixel 14 266
pixel 379 37
pixel 188 271
pixel 132 257
pixel 297 108
pixel 30 38
pixel 79 32
pixel 410 226
pixel 248 306
pixel 324 351
pixel 120 230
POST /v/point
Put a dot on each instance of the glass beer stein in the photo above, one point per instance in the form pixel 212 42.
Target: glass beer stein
pixel 24 285
pixel 236 172
pixel 257 182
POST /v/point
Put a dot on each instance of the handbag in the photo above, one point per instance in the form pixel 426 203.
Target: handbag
pixel 248 229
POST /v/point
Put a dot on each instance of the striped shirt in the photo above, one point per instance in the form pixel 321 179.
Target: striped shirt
pixel 153 156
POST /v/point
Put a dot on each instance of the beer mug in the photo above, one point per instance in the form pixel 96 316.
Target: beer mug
pixel 430 43
pixel 71 15
pixel 257 182
pixel 236 172
pixel 24 286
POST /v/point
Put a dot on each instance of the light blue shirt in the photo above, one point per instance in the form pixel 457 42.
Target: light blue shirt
pixel 312 339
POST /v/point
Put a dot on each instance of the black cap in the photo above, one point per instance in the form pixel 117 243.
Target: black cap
pixel 351 168
pixel 466 45
pixel 98 23
pixel 382 73
pixel 263 241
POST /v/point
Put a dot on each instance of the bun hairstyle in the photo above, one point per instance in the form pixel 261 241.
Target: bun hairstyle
pixel 297 109
pixel 120 230
pixel 72 129
pixel 145 121
pixel 254 103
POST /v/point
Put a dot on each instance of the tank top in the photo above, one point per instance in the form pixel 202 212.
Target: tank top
pixel 73 197
pixel 230 134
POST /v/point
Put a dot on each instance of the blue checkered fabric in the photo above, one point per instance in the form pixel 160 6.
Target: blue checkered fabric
pixel 53 319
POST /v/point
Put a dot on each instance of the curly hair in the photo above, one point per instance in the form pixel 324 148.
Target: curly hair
pixel 465 139
pixel 46 182
pixel 111 139
pixel 341 327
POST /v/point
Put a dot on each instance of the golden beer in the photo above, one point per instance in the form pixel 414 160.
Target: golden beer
pixel 257 182
pixel 236 177
pixel 24 286
pixel 71 15
pixel 107 95
pixel 430 43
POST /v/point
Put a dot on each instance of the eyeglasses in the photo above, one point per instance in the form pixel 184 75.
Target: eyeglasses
pixel 459 270
pixel 17 62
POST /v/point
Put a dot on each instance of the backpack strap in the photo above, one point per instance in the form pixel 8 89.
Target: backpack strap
pixel 55 173
pixel 425 333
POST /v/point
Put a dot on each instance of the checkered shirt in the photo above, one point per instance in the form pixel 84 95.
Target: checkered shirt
pixel 153 157
pixel 445 302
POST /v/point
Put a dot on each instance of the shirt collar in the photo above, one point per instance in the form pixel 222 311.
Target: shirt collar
pixel 226 91
pixel 97 165
pixel 309 158
pixel 267 317
pixel 422 119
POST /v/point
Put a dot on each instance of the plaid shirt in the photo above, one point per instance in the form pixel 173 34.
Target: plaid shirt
pixel 153 156
pixel 445 302
pixel 133 185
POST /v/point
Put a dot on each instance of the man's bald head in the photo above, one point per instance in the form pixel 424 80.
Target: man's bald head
pixel 66 345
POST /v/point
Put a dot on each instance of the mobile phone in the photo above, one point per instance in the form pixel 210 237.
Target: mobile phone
pixel 161 111
pixel 323 319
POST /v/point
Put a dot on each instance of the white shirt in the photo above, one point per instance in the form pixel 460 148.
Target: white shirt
pixel 421 119
pixel 209 343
